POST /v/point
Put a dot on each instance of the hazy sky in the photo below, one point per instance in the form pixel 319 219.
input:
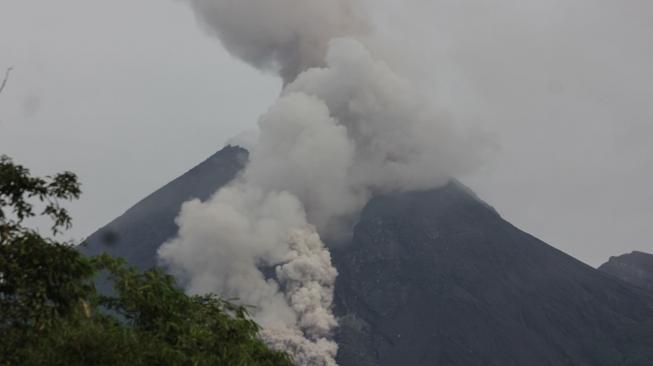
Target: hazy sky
pixel 130 94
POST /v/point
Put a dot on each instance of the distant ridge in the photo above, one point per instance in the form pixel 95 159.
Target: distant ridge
pixel 635 268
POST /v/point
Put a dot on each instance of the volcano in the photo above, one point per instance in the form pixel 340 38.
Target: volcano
pixel 435 277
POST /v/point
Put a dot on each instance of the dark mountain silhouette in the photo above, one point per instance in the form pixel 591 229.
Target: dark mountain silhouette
pixel 635 268
pixel 437 278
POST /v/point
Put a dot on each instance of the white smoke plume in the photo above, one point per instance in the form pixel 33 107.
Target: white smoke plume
pixel 286 36
pixel 223 243
pixel 345 127
pixel 308 279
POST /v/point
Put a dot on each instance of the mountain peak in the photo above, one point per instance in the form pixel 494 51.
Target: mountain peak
pixel 453 195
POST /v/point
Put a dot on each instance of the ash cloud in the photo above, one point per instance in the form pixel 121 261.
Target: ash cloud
pixel 346 126
pixel 284 36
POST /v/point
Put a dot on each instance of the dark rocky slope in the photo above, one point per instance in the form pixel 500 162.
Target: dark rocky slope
pixel 437 278
pixel 635 268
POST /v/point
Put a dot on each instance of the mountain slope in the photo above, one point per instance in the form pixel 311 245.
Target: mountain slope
pixel 437 278
pixel 635 268
pixel 137 234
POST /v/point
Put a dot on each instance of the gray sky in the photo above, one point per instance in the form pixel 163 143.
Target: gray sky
pixel 130 94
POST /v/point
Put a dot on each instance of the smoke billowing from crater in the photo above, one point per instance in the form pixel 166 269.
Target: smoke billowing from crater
pixel 345 127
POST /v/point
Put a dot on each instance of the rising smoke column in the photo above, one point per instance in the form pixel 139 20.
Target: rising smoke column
pixel 223 243
pixel 345 127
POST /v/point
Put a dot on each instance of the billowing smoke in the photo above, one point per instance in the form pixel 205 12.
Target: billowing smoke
pixel 287 36
pixel 345 127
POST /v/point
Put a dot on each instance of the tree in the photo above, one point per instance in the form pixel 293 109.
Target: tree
pixel 51 314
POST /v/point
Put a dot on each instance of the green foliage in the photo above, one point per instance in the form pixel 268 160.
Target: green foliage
pixel 51 314
pixel 18 189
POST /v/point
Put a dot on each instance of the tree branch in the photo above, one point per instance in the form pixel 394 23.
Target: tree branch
pixel 4 81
